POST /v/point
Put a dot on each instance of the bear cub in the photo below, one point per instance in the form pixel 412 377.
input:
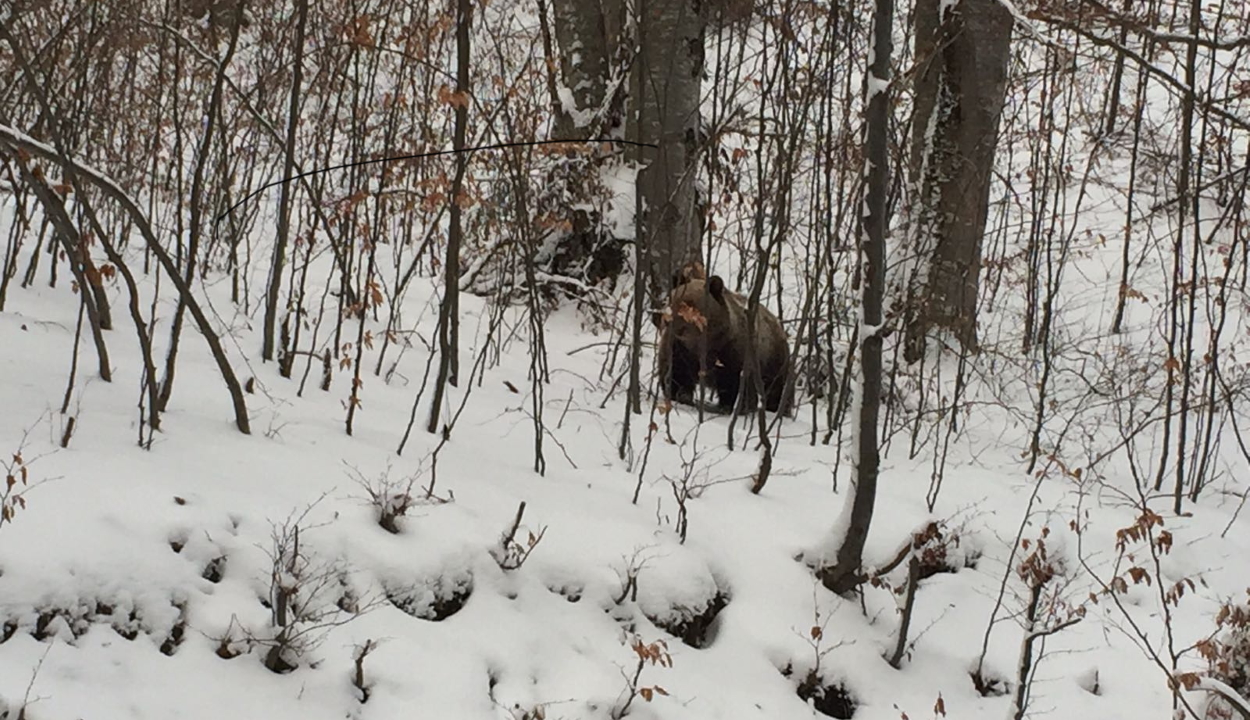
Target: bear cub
pixel 706 329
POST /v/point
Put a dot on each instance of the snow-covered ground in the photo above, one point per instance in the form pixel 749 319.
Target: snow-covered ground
pixel 130 572
pixel 141 583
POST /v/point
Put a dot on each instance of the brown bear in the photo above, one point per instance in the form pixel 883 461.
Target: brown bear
pixel 706 330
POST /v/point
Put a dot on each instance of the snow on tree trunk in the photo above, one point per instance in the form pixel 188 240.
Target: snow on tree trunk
pixel 587 32
pixel 962 47
pixel 856 515
pixel 670 67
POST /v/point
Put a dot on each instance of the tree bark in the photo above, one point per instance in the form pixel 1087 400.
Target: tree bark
pixel 75 251
pixel 273 292
pixel 74 172
pixel 195 219
pixel 846 573
pixel 588 32
pixel 960 90
pixel 670 69
pixel 449 315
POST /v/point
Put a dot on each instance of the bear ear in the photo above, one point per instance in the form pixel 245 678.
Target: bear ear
pixel 716 286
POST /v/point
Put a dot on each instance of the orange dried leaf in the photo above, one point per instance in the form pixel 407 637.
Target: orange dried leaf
pixel 691 314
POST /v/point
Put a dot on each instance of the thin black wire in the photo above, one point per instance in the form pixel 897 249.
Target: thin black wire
pixel 500 146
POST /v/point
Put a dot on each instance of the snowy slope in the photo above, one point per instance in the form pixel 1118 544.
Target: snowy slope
pixel 140 583
pixel 93 587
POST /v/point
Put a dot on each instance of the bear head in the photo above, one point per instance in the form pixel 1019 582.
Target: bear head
pixel 700 316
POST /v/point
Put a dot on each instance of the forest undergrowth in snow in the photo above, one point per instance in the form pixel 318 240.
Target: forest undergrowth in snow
pixel 1070 500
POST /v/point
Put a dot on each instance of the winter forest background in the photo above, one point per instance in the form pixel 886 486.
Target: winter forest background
pixel 386 439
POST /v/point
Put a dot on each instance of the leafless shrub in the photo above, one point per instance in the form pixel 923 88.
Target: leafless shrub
pixel 392 497
pixel 358 679
pixel 511 554
pixel 628 575
pixel 303 597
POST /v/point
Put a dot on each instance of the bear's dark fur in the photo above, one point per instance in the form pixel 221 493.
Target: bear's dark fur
pixel 706 329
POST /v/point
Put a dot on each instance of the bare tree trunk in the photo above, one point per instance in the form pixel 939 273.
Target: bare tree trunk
pixel 1117 81
pixel 960 90
pixel 585 79
pixel 587 32
pixel 670 69
pixel 196 211
pixel 845 574
pixel 1190 206
pixel 75 250
pixel 449 316
pixel 284 201
pixel 110 188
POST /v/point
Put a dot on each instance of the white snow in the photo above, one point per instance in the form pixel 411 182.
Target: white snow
pixel 128 570
pixel 876 86
pixel 581 116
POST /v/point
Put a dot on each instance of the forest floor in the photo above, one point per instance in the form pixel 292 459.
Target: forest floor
pixel 140 583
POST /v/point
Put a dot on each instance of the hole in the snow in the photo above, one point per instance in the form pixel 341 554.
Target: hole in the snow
pixel 177 545
pixel 694 626
pixel 215 569
pixel 226 650
pixel 445 607
pixel 276 661
pixel 988 685
pixel 8 631
pixel 1089 681
pixel 348 602
pixel 176 634
pixel 42 623
pixel 830 699
pixel 128 627
pixel 570 593
pixel 436 600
